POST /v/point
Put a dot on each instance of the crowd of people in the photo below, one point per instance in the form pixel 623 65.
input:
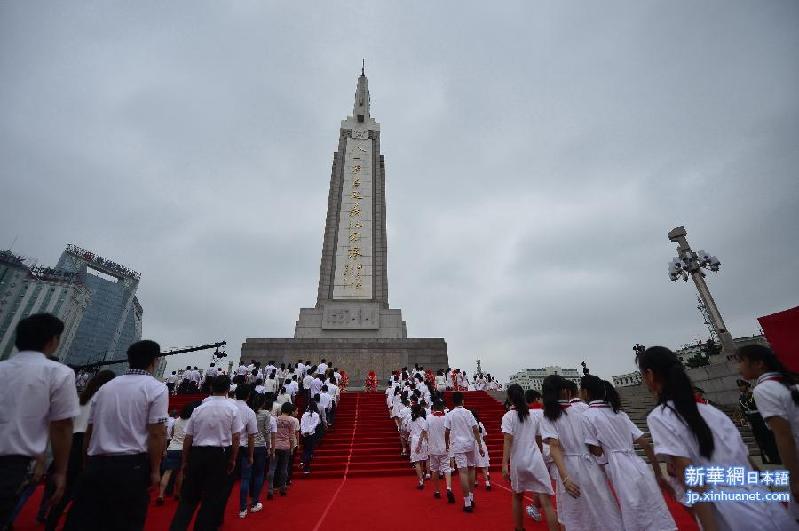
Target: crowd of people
pixel 102 450
pixel 581 442
pixel 438 440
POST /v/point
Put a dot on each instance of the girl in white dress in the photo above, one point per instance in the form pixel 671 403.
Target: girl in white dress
pixel 441 381
pixel 611 432
pixel 522 461
pixel 481 462
pixel 418 426
pixel 584 497
pixel 688 433
pixel 777 399
pixel 396 406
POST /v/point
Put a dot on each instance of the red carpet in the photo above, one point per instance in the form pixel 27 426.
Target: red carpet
pixel 361 482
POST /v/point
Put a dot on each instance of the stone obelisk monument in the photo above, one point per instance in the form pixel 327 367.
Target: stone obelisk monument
pixel 352 324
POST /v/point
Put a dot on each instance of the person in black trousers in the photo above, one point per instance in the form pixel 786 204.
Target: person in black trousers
pixel 126 437
pixel 209 458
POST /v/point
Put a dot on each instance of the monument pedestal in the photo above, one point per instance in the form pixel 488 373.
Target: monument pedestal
pixel 356 356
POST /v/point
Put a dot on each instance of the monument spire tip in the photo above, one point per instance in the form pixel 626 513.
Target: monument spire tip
pixel 363 67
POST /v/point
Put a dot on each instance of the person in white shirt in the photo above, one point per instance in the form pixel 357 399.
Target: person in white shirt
pixel 126 440
pixel 404 418
pixel 292 387
pixel 270 385
pixel 174 452
pixel 687 433
pixel 306 386
pixel 417 428
pixel 170 381
pixel 438 458
pixel 210 450
pixel 316 385
pixel 325 403
pixel 309 429
pixel 776 395
pixel 246 440
pixel 333 391
pixel 462 432
pixel 80 424
pixel 38 400
pixel 322 368
pixel 522 461
pixel 242 370
pixel 637 487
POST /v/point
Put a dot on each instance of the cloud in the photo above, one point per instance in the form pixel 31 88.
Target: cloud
pixel 536 157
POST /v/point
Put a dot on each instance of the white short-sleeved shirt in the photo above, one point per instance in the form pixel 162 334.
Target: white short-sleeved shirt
pixel 121 411
pixel 249 421
pixel 416 427
pixel 460 423
pixel 214 422
pixel 309 422
pixel 436 442
pixel 270 385
pixel 325 401
pixel 774 400
pixel 322 368
pixel 306 381
pixel 177 434
pixel 316 386
pixel 332 390
pixel 81 422
pixel 35 392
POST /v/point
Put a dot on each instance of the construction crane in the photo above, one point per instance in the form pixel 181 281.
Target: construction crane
pixel 217 354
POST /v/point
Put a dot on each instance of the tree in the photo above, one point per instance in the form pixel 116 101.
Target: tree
pixel 700 359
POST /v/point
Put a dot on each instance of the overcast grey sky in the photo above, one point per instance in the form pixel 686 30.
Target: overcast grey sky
pixel 537 153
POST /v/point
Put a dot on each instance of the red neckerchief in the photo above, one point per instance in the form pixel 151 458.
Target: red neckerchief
pixel 535 405
pixel 698 399
pixel 564 404
pixel 599 404
pixel 766 377
pixel 438 413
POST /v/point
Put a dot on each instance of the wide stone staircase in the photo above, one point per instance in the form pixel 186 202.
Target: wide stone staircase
pixel 637 401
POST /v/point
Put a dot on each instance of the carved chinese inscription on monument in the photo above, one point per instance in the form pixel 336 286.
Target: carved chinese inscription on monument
pixel 353 279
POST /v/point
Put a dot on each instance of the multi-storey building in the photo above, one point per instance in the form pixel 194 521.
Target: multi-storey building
pixel 533 378
pixel 25 290
pixel 95 297
pixel 112 320
pixel 626 380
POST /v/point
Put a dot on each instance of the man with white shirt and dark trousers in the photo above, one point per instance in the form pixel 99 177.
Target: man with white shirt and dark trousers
pixel 38 399
pixel 125 441
pixel 210 449
pixel 246 440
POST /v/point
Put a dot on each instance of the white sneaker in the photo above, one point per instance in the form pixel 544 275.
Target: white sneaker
pixel 534 513
pixel 243 514
pixel 257 507
pixel 427 476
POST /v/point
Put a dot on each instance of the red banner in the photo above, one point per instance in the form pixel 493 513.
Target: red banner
pixel 782 332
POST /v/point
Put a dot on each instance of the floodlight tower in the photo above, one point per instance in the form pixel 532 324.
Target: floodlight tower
pixel 688 263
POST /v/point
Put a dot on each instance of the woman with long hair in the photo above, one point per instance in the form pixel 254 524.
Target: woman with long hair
pixel 584 499
pixel 689 433
pixel 522 461
pixel 75 462
pixel 417 427
pixel 776 396
pixel 612 433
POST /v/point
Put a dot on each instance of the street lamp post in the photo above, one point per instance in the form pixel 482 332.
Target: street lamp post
pixel 688 263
